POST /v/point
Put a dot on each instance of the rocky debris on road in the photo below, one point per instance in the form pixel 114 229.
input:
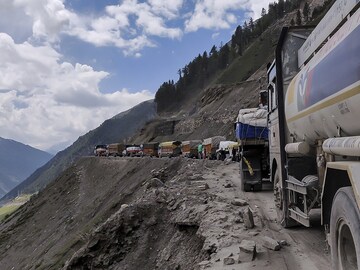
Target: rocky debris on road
pixel 154 183
pixel 160 174
pixel 239 202
pixel 270 243
pixel 229 261
pixel 247 251
pixel 248 218
pixel 283 243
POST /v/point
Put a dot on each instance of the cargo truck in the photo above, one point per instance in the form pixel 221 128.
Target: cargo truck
pixel 314 128
pixel 252 135
pixel 116 149
pixel 211 145
pixel 190 148
pixel 150 149
pixel 169 149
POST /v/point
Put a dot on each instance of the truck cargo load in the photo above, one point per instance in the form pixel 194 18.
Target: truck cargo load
pixel 211 145
pixel 116 149
pixel 225 149
pixel 150 149
pixel 251 124
pixel 190 148
pixel 169 149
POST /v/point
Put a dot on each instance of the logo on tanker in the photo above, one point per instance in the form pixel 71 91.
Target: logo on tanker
pixel 303 90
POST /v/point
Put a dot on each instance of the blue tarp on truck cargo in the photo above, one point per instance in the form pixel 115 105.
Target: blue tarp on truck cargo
pixel 246 131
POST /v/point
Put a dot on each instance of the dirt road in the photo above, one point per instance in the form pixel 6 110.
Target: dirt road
pixel 306 247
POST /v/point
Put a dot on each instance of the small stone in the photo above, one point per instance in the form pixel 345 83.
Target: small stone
pixel 253 233
pixel 204 264
pixel 271 243
pixel 239 202
pixel 283 243
pixel 238 220
pixel 229 261
pixel 203 187
pixel 248 219
pixel 228 185
pixel 154 183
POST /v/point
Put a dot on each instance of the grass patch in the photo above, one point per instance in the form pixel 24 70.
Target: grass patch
pixel 7 210
pixel 12 206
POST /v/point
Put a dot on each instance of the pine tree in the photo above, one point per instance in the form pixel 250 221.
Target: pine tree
pixel 298 17
pixel 263 12
pixel 239 39
pixel 306 11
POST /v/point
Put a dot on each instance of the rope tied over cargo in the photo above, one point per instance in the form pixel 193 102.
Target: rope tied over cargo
pixel 251 171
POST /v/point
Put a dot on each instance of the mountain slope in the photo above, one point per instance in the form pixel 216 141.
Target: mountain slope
pixel 116 129
pixel 17 162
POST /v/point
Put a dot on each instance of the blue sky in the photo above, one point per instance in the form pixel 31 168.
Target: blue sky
pixel 68 65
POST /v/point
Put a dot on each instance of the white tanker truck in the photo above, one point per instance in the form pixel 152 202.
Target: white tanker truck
pixel 314 128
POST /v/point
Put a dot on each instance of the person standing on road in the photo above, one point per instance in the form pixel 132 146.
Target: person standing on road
pixel 200 151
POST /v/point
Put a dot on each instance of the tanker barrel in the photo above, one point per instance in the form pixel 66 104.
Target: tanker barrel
pixel 344 146
pixel 300 148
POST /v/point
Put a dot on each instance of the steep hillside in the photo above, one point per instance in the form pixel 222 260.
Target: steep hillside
pixel 116 129
pixel 17 162
pixel 61 218
pixel 148 213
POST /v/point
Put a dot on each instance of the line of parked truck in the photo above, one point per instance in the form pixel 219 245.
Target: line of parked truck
pixel 216 147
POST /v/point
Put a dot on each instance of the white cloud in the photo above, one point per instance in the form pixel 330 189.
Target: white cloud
pixel 49 101
pixel 256 6
pixel 213 14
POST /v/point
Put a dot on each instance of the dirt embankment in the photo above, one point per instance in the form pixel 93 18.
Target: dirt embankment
pixel 143 213
pixel 211 112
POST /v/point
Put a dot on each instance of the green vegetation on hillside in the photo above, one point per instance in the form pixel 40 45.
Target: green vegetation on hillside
pixel 251 46
pixel 11 207
pixel 200 71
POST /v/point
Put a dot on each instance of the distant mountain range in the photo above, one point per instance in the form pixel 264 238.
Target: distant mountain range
pixel 17 162
pixel 116 129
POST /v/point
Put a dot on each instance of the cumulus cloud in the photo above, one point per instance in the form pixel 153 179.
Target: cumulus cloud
pixel 255 7
pixel 45 101
pixel 213 14
pixel 128 26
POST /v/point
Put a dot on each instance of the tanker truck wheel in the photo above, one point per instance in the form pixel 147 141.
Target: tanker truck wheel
pixel 345 230
pixel 280 203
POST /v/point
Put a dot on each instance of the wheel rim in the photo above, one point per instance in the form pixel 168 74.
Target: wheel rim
pixel 278 194
pixel 278 198
pixel 346 247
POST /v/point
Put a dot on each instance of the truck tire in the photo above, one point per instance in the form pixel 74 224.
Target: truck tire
pixel 345 230
pixel 281 203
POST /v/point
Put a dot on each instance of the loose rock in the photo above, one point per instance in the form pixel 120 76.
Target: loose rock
pixel 154 183
pixel 228 185
pixel 247 251
pixel 271 243
pixel 229 261
pixel 239 202
pixel 248 218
